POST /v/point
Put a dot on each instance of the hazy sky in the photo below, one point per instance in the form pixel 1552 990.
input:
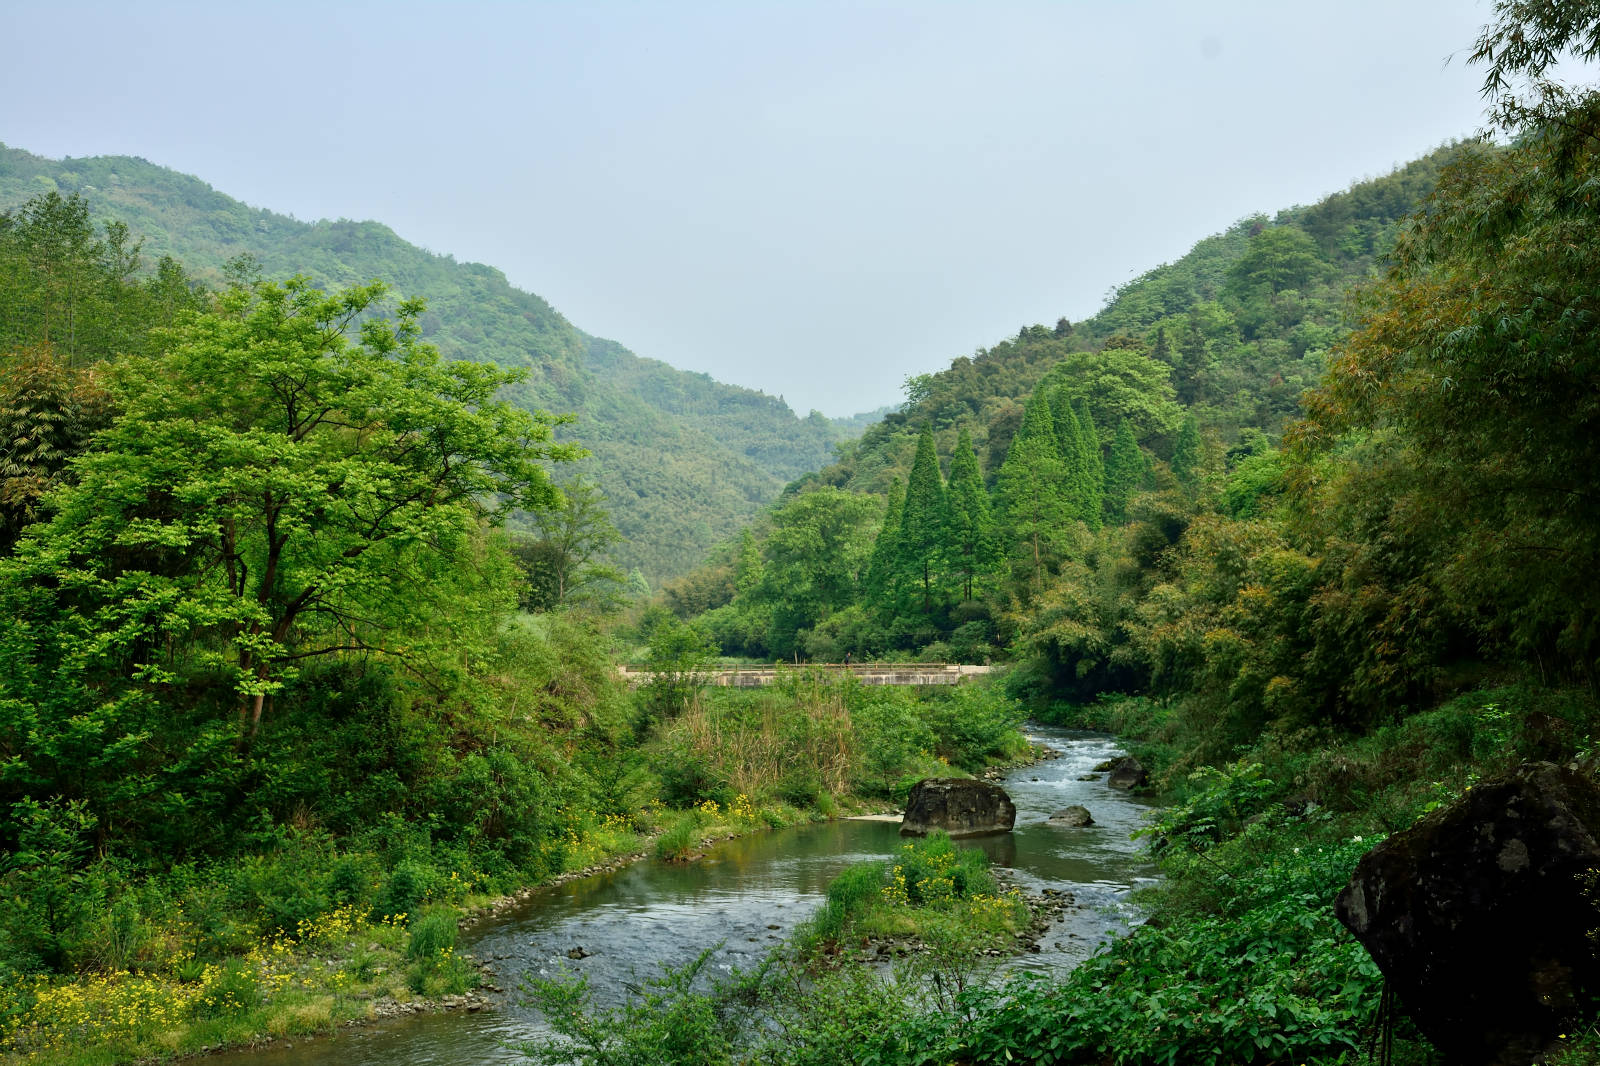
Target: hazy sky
pixel 814 199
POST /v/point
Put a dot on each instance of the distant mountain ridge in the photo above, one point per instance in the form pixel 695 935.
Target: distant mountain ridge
pixel 686 460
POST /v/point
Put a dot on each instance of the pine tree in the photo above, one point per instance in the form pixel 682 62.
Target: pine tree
pixel 922 524
pixel 973 547
pixel 1162 352
pixel 1075 476
pixel 1030 485
pixel 1095 483
pixel 1186 454
pixel 1124 472
pixel 882 585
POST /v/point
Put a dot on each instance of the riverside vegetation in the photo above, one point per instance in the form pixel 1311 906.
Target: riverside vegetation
pixel 1309 503
pixel 1312 505
pixel 272 717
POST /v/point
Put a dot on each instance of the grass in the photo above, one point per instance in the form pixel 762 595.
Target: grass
pixel 284 986
pixel 934 892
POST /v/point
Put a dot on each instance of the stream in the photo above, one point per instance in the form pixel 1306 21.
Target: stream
pixel 746 895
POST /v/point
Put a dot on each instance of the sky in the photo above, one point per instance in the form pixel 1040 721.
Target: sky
pixel 814 199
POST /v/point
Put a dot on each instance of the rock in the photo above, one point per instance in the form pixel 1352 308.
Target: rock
pixel 577 953
pixel 959 806
pixel 1088 777
pixel 1126 773
pixel 1107 765
pixel 1073 817
pixel 1480 915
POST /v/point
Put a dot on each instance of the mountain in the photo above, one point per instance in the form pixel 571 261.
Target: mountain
pixel 1239 328
pixel 685 460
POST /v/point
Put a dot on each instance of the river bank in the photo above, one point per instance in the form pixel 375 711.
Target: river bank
pixel 746 895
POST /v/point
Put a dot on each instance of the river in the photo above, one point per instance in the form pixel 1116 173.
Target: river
pixel 747 894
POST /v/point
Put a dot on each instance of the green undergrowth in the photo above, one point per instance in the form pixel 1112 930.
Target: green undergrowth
pixel 1241 960
pixel 812 1000
pixel 933 892
pixel 815 742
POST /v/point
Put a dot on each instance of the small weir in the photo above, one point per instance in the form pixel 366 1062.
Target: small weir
pixel 748 894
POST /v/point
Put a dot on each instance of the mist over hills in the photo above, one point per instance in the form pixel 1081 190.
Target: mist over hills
pixel 685 460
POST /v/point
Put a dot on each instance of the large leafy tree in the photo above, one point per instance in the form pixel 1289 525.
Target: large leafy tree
pixel 48 411
pixel 283 480
pixel 816 558
pixel 1477 369
pixel 565 563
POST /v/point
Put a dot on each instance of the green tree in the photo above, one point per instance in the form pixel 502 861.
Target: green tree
pixel 1278 258
pixel 1075 487
pixel 565 563
pixel 1093 478
pixel 62 285
pixel 48 411
pixel 1186 454
pixel 815 560
pixel 680 660
pixel 1124 473
pixel 883 579
pixel 1116 384
pixel 974 550
pixel 747 571
pixel 922 522
pixel 282 481
pixel 1030 486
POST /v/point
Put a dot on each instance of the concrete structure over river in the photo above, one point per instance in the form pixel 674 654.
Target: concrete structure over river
pixel 864 673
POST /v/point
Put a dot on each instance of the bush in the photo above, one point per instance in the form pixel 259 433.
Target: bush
pixel 681 838
pixel 432 934
pixel 403 892
pixel 228 990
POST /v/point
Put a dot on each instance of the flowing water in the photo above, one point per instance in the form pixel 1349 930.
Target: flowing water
pixel 746 895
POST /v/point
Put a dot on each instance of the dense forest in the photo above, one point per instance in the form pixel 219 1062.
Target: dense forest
pixel 1060 464
pixel 683 460
pixel 309 643
pixel 313 631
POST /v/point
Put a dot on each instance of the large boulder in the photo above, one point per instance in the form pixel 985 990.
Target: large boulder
pixel 1127 773
pixel 1073 817
pixel 1482 915
pixel 962 807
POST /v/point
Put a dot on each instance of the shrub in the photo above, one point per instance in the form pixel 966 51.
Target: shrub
pixel 681 838
pixel 432 934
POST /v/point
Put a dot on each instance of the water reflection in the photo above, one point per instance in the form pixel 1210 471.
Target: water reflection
pixel 746 895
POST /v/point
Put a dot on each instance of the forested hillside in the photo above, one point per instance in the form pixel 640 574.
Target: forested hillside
pixel 1185 379
pixel 684 460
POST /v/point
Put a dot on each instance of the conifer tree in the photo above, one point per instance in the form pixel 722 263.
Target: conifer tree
pixel 882 586
pixel 747 569
pixel 973 548
pixel 1125 469
pixel 1030 485
pixel 922 524
pixel 1186 454
pixel 1095 483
